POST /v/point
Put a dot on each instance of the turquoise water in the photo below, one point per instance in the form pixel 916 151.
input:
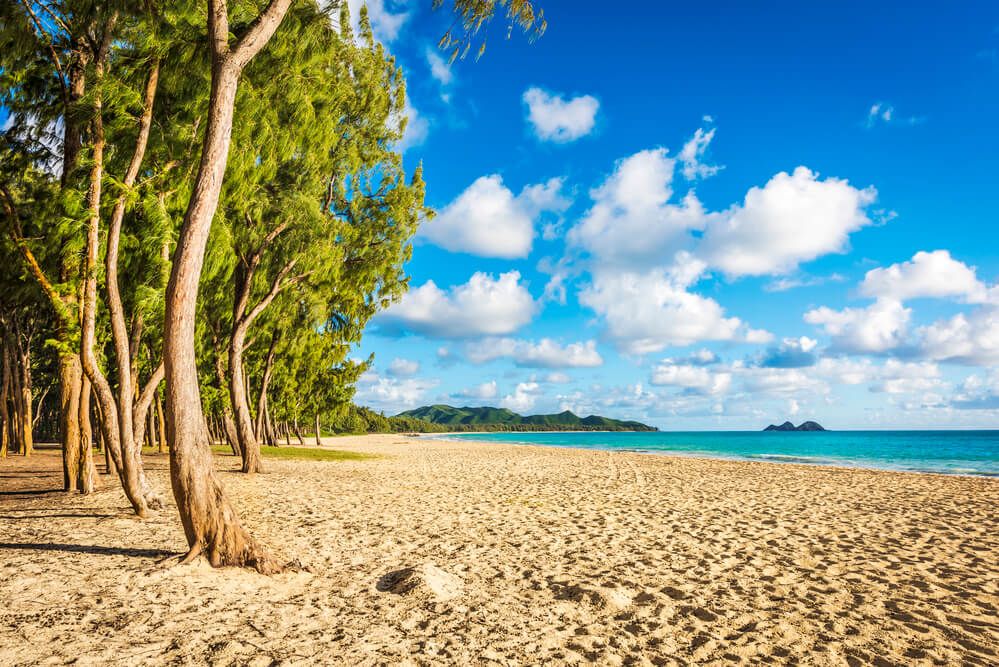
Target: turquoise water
pixel 951 452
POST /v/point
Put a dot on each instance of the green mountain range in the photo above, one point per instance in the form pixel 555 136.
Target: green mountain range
pixel 501 419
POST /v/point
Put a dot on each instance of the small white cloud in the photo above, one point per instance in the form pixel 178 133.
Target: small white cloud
pixel 522 398
pixel 880 327
pixel 387 18
pixel 692 153
pixel 483 391
pixel 882 113
pixel 545 353
pixel 559 120
pixel 558 378
pixel 928 274
pixel 392 394
pixel 440 68
pixel 698 379
pixel 489 221
pixel 484 306
pixel 403 367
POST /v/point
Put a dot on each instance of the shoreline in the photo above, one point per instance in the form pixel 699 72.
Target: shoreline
pixel 710 456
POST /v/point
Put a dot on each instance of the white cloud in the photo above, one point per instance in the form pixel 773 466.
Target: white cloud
pixel 522 398
pixel 880 327
pixel 558 378
pixel 791 353
pixel 559 120
pixel 484 306
pixel 417 127
pixel 631 222
pixel 883 113
pixel 440 68
pixel 546 353
pixel 698 379
pixel 489 221
pixel 693 151
pixel 391 394
pixel 483 391
pixel 646 312
pixel 794 218
pixel 403 367
pixel 779 381
pixel 387 17
pixel 971 339
pixel 928 274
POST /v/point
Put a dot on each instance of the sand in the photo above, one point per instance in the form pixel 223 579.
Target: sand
pixel 466 553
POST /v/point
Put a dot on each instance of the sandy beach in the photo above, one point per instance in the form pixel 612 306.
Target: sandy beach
pixel 465 553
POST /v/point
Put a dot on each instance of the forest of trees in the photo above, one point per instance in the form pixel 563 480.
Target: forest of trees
pixel 202 204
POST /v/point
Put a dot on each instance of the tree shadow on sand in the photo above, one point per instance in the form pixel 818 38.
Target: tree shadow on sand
pixel 90 549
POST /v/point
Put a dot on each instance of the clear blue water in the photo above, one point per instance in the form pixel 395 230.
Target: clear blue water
pixel 951 452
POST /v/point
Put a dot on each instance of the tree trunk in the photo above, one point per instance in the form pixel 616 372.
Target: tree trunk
pixel 5 422
pixel 161 424
pixel 249 446
pixel 86 472
pixel 319 440
pixel 211 525
pixel 27 412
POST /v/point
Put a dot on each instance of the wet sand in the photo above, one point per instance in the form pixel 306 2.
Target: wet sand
pixel 469 553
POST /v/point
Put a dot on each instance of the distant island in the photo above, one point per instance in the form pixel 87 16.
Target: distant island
pixel 788 426
pixel 502 419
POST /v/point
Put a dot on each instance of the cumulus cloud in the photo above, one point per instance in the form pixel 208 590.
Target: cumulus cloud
pixel 880 327
pixel 978 392
pixel 692 153
pixel 791 353
pixel 632 222
pixel 557 119
pixel 794 218
pixel 391 394
pixel 698 379
pixel 545 353
pixel 971 339
pixel 403 367
pixel 484 306
pixel 522 398
pixel 928 274
pixel 488 220
pixel 483 391
pixel 558 378
pixel 647 312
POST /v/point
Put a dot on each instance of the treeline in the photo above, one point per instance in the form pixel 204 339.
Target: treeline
pixel 201 208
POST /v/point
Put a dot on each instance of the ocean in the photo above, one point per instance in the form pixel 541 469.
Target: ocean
pixel 948 452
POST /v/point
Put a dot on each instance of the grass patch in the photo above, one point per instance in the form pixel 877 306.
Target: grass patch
pixel 304 453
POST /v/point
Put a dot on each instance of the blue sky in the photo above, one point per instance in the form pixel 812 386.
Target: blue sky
pixel 704 216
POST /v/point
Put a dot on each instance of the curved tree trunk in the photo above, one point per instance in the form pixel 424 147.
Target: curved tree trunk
pixel 161 425
pixel 210 522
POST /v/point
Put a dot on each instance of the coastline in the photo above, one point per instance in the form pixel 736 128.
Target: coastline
pixel 451 552
pixel 770 458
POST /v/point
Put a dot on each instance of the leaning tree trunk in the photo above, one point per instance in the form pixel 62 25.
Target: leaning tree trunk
pixel 211 525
